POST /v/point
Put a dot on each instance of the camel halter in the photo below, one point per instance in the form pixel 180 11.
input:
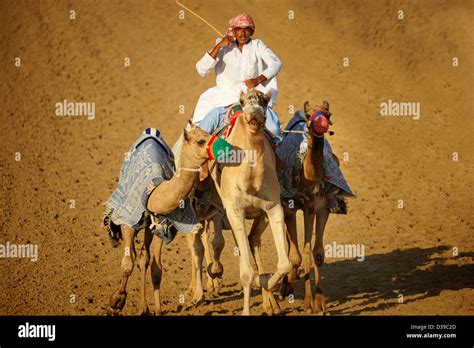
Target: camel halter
pixel 195 170
pixel 199 169
pixel 309 124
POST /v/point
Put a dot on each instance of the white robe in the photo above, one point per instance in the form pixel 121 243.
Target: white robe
pixel 232 67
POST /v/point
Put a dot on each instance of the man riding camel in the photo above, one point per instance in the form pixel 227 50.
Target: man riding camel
pixel 241 63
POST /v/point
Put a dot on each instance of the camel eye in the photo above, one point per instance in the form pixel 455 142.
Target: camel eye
pixel 201 142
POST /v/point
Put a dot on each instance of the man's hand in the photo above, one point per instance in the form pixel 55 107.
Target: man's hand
pixel 225 41
pixel 252 83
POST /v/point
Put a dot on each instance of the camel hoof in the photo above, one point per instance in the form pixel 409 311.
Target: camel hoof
pixel 308 305
pixel 267 310
pixel 145 312
pixel 219 270
pixel 195 302
pixel 112 312
pixel 266 303
pixel 117 301
pixel 217 285
pixel 192 305
pixel 275 306
pixel 319 305
pixel 269 304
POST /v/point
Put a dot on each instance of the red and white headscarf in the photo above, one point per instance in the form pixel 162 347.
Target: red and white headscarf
pixel 243 20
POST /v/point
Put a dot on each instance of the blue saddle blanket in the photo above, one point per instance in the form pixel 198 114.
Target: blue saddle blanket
pixel 149 160
pixel 292 151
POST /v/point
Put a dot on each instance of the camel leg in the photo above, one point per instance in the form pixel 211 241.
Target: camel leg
pixel 308 232
pixel 322 215
pixel 293 253
pixel 270 305
pixel 207 255
pixel 216 269
pixel 143 265
pixel 119 296
pixel 277 224
pixel 157 272
pixel 237 222
pixel 198 256
pixel 192 284
pixel 259 225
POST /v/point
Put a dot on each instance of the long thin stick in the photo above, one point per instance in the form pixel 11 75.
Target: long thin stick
pixel 199 17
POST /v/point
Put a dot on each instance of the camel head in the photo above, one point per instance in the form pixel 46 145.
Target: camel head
pixel 318 119
pixel 254 104
pixel 195 142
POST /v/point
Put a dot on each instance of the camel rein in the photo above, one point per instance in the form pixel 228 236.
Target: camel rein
pixel 303 132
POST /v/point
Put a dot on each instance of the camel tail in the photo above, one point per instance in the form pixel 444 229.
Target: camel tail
pixel 114 232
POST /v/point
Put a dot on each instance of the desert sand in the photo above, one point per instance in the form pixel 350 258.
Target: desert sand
pixel 56 171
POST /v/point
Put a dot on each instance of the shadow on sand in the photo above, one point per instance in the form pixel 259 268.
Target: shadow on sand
pixel 418 273
pixel 377 281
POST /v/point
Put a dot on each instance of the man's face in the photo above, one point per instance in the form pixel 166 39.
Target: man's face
pixel 243 35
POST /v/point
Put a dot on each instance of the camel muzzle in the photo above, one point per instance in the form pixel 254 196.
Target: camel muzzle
pixel 319 124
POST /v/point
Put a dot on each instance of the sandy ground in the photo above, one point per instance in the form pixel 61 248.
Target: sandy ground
pixel 408 252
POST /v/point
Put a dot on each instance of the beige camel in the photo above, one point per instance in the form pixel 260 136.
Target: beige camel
pixel 164 199
pixel 250 189
pixel 315 208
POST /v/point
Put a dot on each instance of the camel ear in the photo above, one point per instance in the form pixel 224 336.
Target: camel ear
pixel 307 108
pixel 186 135
pixel 325 105
pixel 268 96
pixel 242 97
pixel 265 99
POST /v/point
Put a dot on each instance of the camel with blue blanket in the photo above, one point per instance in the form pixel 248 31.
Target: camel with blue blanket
pixel 312 182
pixel 151 195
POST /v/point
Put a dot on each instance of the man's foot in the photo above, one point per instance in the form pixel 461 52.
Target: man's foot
pixel 336 205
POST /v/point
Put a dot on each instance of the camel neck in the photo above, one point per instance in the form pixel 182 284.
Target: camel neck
pixel 313 161
pixel 252 174
pixel 248 139
pixel 184 178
